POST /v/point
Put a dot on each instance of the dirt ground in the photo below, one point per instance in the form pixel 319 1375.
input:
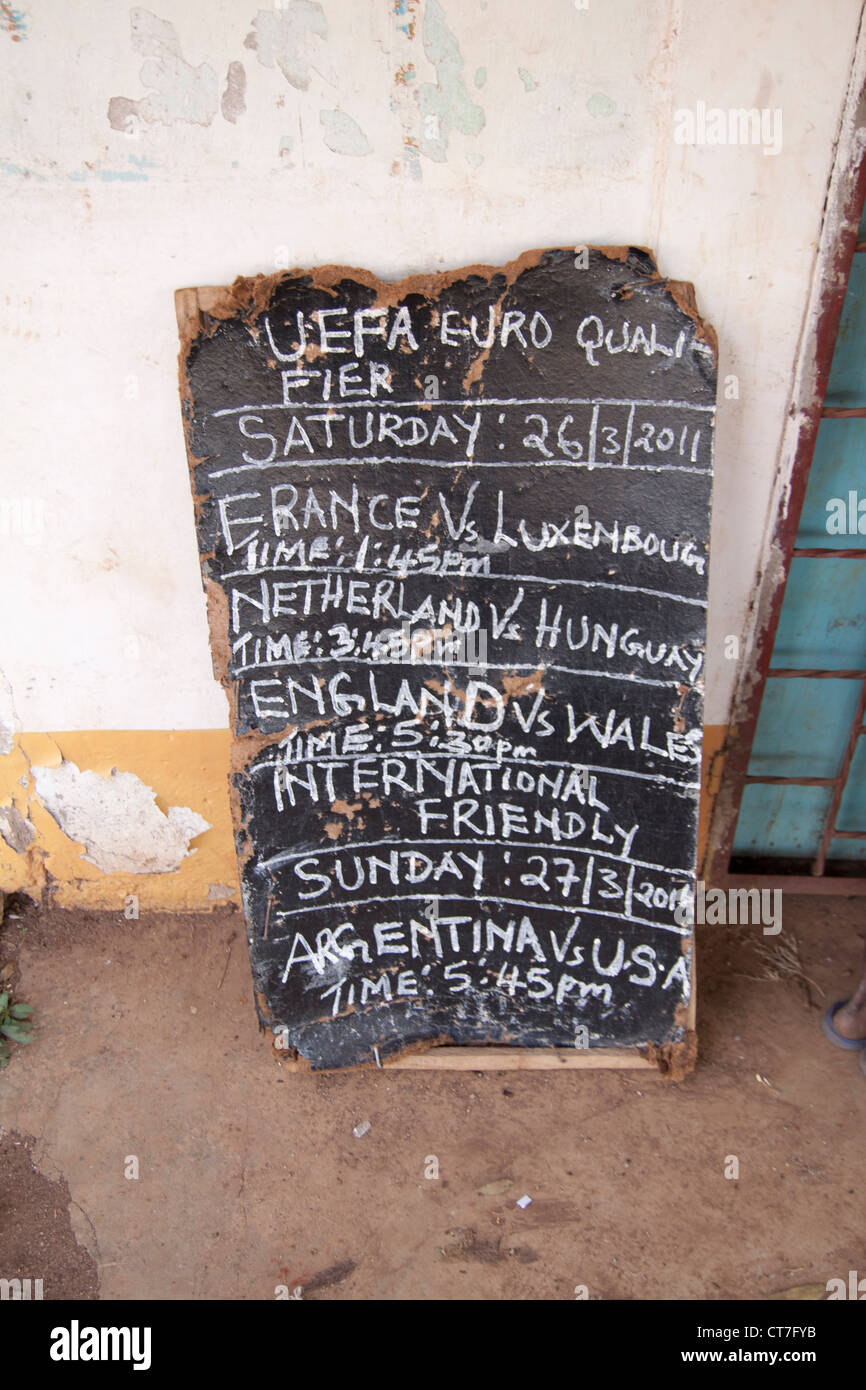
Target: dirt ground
pixel 250 1177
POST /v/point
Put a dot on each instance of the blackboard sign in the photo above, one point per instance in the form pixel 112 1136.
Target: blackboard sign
pixel 454 537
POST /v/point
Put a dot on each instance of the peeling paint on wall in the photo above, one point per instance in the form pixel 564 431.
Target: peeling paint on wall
pixel 220 892
pixel 406 13
pixel 600 105
pixel 183 769
pixel 343 135
pixel 284 38
pixel 13 22
pixel 17 832
pixel 117 819
pixel 233 102
pixel 290 38
pixel 179 91
pixel 7 167
pixel 429 112
pixel 137 174
pixel 445 104
pixel 8 717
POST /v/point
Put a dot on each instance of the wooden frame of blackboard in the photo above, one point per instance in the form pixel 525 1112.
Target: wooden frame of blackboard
pixel 665 1062
pixel 842 215
pixel 508 1059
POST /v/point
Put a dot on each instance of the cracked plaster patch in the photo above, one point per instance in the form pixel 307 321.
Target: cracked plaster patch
pixel 117 819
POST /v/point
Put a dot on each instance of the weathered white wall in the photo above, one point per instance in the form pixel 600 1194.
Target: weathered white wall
pixel 552 124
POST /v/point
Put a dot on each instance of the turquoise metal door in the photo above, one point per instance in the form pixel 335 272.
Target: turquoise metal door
pixel 803 806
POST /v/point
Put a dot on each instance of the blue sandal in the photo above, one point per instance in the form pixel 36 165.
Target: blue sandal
pixel 848 1044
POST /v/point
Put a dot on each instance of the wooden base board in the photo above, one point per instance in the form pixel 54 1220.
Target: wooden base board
pixel 520 1059
pixel 506 1059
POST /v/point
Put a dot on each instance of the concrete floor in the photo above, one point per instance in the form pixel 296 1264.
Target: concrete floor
pixel 250 1177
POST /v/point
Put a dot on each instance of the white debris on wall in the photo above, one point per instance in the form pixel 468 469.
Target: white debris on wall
pixel 15 829
pixel 117 820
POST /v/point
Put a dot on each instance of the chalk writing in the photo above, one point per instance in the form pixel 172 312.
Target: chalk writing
pixel 463 633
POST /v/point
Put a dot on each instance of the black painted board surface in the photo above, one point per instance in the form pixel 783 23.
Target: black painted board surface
pixel 454 535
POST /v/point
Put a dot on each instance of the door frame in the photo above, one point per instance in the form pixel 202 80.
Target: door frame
pixel 830 274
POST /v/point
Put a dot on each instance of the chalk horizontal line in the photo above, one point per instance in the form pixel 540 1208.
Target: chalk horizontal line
pixel 467 403
pixel 489 763
pixel 463 665
pixel 349 570
pixel 459 463
pixel 287 854
pixel 458 898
